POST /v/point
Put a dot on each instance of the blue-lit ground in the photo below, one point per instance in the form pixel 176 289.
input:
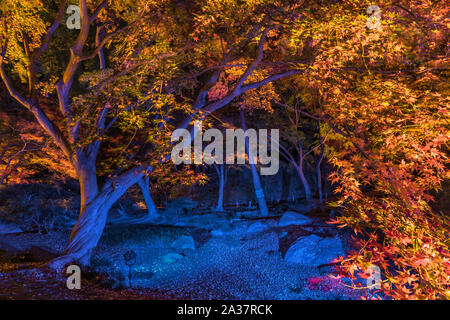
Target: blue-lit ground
pixel 207 256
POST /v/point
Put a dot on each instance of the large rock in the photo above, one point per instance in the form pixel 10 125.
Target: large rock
pixel 184 242
pixel 294 218
pixel 260 226
pixel 9 227
pixel 314 250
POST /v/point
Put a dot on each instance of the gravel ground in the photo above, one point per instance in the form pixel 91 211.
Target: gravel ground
pixel 227 268
pixel 230 266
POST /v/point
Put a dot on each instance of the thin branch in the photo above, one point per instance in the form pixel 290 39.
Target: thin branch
pixel 238 91
pixel 97 11
pixel 12 91
pixel 36 55
pixel 107 38
pixel 39 114
pixel 328 121
pixel 259 57
pixel 222 66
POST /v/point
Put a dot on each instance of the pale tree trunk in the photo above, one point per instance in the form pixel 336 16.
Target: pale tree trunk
pixel 222 181
pixel 305 183
pixel 319 161
pixel 298 168
pixel 95 205
pixel 256 180
pixel 144 184
pixel 221 188
pixel 95 202
pixel 301 174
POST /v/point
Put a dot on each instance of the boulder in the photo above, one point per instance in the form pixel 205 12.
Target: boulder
pixel 314 250
pixel 9 227
pixel 171 258
pixel 260 226
pixel 294 218
pixel 184 242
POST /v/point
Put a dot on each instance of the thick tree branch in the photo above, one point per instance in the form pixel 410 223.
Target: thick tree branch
pixel 240 90
pixel 127 178
pixel 76 56
pixel 254 64
pixel 39 114
pixel 200 101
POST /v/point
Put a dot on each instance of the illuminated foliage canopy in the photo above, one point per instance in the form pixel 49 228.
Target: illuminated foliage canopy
pixel 139 69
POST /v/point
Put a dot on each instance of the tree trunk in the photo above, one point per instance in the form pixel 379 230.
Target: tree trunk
pixel 299 169
pixel 319 161
pixel 285 185
pixel 305 183
pixel 94 210
pixel 220 172
pixel 256 180
pixel 319 181
pixel 144 184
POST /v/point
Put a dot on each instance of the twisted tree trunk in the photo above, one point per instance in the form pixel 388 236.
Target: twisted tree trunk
pixel 95 205
pixel 256 180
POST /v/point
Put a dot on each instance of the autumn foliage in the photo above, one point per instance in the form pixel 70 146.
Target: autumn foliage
pixel 379 95
pixel 385 92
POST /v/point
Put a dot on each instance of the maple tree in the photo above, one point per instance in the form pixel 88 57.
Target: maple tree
pixel 303 134
pixel 110 94
pixel 26 154
pixel 126 102
pixel 384 93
